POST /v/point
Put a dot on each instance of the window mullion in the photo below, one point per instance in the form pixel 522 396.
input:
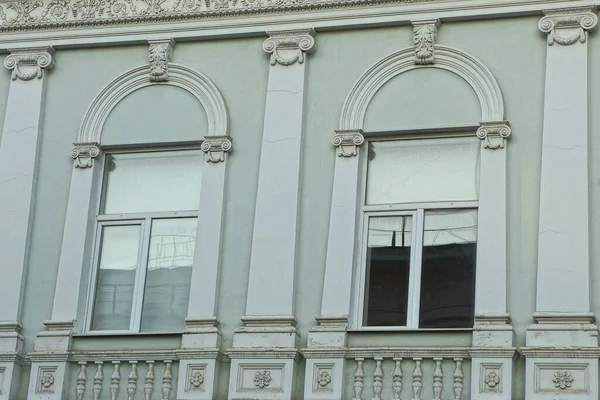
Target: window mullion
pixel 414 294
pixel 140 279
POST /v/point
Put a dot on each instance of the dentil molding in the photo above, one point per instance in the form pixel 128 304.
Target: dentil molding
pixel 347 142
pixel 424 37
pixel 494 134
pixel 84 154
pixel 288 47
pixel 568 26
pixel 160 54
pixel 215 148
pixel 27 64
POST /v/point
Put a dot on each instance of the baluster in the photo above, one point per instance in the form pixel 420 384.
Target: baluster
pixel 167 379
pixel 417 383
pixel 397 383
pixel 378 378
pixel 132 381
pixel 149 381
pixel 81 380
pixel 359 377
pixel 438 377
pixel 458 379
pixel 98 377
pixel 114 381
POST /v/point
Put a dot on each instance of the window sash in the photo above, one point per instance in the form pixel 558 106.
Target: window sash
pixel 145 221
pixel 416 252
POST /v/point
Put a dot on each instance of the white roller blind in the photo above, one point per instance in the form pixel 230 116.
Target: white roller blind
pixel 390 231
pixel 153 181
pixel 449 227
pixel 407 171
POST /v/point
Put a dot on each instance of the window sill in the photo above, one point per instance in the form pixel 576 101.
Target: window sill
pixel 405 329
pixel 116 333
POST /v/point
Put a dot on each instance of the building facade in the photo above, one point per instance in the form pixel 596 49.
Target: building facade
pixel 299 199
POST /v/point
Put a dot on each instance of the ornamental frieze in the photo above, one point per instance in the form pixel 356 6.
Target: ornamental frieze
pixel 30 14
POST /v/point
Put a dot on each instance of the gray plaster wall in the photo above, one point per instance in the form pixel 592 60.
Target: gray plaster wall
pixel 239 68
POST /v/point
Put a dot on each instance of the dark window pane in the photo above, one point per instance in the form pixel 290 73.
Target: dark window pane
pixel 448 269
pixel 388 267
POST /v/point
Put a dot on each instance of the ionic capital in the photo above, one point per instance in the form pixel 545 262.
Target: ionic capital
pixel 288 47
pixel 568 25
pixel 27 64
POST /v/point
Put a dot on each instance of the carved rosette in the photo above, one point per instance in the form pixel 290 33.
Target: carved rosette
pixel 347 142
pixel 562 380
pixel 27 64
pixel 494 134
pixel 160 54
pixel 424 37
pixel 288 47
pixel 84 154
pixel 262 379
pixel 569 25
pixel 215 148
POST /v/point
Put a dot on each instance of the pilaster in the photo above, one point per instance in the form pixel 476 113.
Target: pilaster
pixel 18 169
pixel 201 341
pixel 269 333
pixel 326 347
pixel 563 318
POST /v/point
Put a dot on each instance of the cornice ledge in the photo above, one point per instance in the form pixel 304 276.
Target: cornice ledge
pixel 566 26
pixel 160 54
pixel 289 47
pixel 215 148
pixel 264 352
pixel 424 38
pixel 84 154
pixel 494 134
pixel 324 352
pixel 29 63
pixel 347 142
pixel 560 352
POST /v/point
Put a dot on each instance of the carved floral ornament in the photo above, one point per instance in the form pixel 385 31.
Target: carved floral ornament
pixel 568 26
pixel 562 379
pixel 288 47
pixel 424 37
pixel 27 64
pixel 160 54
pixel 262 379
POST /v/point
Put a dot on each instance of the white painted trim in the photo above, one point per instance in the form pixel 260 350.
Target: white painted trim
pixel 197 84
pixel 337 15
pixel 466 66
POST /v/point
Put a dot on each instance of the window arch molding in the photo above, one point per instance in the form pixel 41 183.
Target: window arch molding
pixel 197 84
pixel 339 300
pixel 84 196
pixel 469 68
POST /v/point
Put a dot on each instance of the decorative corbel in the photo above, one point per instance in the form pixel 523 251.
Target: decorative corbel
pixel 424 37
pixel 160 54
pixel 288 47
pixel 568 25
pixel 27 64
pixel 84 154
pixel 215 148
pixel 494 134
pixel 347 142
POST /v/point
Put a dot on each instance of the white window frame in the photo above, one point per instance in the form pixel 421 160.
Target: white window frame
pixel 145 221
pixel 417 211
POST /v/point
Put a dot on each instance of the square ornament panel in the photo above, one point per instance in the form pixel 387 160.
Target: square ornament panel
pixel 323 377
pixel 46 379
pixel 195 376
pixel 490 378
pixel 261 379
pixel 561 378
pixel 197 379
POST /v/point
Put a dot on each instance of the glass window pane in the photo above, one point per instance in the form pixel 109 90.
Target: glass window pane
pixel 388 267
pixel 170 259
pixel 405 171
pixel 154 181
pixel 448 269
pixel 116 277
